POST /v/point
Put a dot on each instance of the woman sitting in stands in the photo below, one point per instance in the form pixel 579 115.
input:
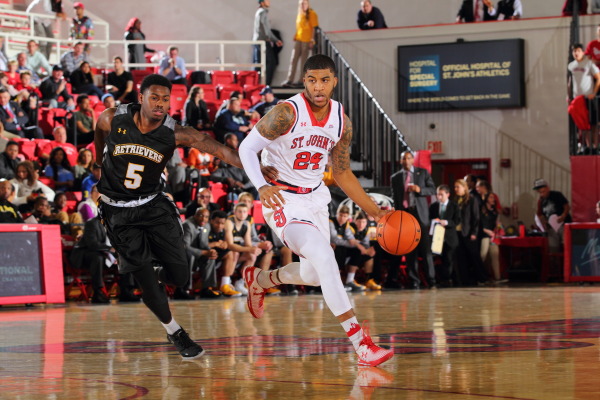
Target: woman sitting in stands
pixel 83 168
pixel 196 111
pixel 82 81
pixel 59 170
pixel 28 187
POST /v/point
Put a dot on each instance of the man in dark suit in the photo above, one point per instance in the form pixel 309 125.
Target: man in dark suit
pixel 15 120
pixel 475 11
pixel 410 188
pixel 446 212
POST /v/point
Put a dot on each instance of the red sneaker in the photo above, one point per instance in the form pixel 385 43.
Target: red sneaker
pixel 369 353
pixel 256 294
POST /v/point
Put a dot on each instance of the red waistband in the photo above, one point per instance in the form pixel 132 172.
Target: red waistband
pixel 294 189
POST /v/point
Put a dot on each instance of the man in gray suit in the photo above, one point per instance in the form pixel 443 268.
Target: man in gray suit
pixel 410 188
pixel 195 239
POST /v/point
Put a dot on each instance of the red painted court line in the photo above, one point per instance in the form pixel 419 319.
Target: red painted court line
pixel 465 395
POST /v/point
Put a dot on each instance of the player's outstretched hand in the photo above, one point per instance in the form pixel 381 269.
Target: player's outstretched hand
pixel 270 196
pixel 270 173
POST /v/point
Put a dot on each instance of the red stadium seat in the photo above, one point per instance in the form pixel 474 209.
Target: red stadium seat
pixel 27 148
pixel 178 97
pixel 257 213
pixel 247 78
pixel 139 75
pixel 225 90
pixel 39 145
pixel 219 193
pixel 75 196
pixel 252 93
pixel 47 119
pixel 47 181
pixel 222 77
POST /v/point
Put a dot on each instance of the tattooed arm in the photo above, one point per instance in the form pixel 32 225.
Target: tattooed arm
pixel 102 131
pixel 344 177
pixel 189 137
pixel 277 122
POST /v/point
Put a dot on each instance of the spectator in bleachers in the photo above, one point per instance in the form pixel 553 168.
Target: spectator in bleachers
pixel 553 211
pixel 567 9
pixel 173 67
pixel 133 31
pixel 268 102
pixel 82 80
pixel 216 241
pixel 230 121
pixel 42 214
pixel 15 120
pixel 29 96
pixel 120 83
pixel 82 26
pixel 196 231
pixel 203 162
pixel 196 111
pixel 90 181
pixel 262 31
pixel 370 17
pixel 59 170
pixel 59 204
pixel 592 49
pixel 13 75
pixel 475 11
pixel 108 100
pixel 234 177
pixel 28 187
pixel 203 200
pixel 176 176
pixel 9 161
pixel 306 22
pixel 43 26
pixel 36 61
pixel 5 85
pixel 60 140
pixel 82 167
pixel 506 10
pixel 88 208
pixel 26 83
pixel 69 218
pixel 22 66
pixel 55 86
pixel 85 121
pixel 9 214
pixel 72 59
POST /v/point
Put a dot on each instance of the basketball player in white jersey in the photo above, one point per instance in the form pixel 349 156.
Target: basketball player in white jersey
pixel 299 135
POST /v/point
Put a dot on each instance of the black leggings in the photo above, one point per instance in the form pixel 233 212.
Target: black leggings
pixel 153 294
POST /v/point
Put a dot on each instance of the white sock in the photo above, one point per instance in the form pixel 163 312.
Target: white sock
pixel 350 277
pixel 172 327
pixel 225 280
pixel 354 331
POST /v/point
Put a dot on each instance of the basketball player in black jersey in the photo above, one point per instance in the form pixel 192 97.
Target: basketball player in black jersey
pixel 133 144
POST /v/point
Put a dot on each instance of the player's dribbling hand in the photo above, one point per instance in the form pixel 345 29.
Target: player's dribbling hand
pixel 270 196
pixel 381 213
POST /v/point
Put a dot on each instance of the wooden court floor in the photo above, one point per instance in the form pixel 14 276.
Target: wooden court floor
pixel 539 342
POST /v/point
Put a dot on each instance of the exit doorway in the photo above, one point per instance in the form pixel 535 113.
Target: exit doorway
pixel 448 171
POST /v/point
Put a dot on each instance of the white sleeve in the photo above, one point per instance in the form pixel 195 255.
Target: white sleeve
pixel 248 150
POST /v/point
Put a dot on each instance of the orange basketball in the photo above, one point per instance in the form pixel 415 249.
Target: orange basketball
pixel 398 232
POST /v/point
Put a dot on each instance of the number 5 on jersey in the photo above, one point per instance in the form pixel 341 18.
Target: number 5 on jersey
pixel 133 179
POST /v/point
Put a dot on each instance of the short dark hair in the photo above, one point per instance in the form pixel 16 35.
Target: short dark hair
pixel 444 188
pixel 319 61
pixel 81 98
pixel 218 214
pixel 155 79
pixel 3 90
pixel 577 46
pixel 115 58
pixel 12 143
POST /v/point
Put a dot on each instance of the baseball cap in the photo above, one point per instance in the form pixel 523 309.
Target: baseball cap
pixel 539 183
pixel 78 4
pixel 57 68
pixel 105 96
pixel 266 90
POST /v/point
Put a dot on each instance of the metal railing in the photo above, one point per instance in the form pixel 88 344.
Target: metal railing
pixel 377 143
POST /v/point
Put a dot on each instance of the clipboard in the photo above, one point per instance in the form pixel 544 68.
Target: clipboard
pixel 437 240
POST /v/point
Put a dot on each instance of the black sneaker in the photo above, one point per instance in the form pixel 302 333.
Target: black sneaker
pixel 186 346
pixel 209 293
pixel 100 298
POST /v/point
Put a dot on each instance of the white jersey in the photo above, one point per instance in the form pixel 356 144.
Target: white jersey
pixel 301 154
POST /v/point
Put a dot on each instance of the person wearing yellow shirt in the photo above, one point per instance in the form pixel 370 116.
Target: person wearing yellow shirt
pixel 306 22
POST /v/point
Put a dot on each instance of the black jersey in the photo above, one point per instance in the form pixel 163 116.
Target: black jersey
pixel 239 234
pixel 134 162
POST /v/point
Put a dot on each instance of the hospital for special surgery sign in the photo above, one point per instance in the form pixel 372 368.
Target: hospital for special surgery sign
pixel 465 75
